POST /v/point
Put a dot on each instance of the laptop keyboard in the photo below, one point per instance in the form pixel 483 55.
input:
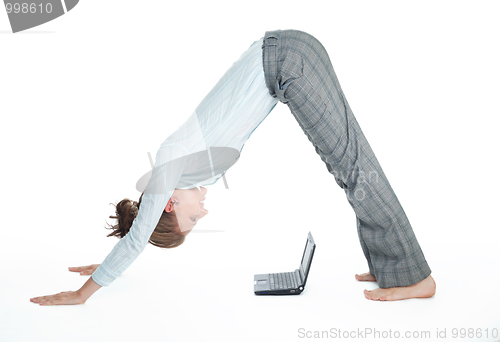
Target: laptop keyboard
pixel 282 281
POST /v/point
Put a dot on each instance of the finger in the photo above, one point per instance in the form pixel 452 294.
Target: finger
pixel 47 303
pixel 89 270
pixel 52 301
pixel 41 299
pixel 58 299
pixel 75 269
pixel 82 270
pixel 47 299
pixel 38 301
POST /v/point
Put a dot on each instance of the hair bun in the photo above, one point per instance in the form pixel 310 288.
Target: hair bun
pixel 126 210
pixel 134 210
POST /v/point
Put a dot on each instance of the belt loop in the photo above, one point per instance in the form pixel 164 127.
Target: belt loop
pixel 270 60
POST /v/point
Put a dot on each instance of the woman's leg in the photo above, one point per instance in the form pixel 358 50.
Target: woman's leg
pixel 298 71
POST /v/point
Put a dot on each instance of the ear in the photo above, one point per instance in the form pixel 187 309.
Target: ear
pixel 170 206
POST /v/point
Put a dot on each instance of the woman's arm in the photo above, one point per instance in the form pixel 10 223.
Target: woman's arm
pixel 165 176
pixel 88 289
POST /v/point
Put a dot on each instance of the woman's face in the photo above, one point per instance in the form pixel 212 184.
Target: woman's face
pixel 189 207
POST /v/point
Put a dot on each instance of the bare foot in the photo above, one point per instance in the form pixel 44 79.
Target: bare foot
pixel 365 277
pixel 423 289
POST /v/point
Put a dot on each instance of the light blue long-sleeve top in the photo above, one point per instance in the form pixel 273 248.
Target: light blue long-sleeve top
pixel 198 153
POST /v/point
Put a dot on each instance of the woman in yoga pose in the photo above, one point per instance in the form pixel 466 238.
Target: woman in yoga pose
pixel 291 67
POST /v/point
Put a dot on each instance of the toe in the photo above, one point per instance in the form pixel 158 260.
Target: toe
pixel 375 295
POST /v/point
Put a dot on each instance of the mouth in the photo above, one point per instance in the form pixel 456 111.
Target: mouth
pixel 202 201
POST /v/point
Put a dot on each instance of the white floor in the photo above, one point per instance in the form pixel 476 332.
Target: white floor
pixel 203 292
pixel 83 101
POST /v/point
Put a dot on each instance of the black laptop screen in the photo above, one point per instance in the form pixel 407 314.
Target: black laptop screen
pixel 306 260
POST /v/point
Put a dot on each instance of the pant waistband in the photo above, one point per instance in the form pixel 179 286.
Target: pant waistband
pixel 270 53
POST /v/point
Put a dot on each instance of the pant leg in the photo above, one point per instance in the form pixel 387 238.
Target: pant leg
pixel 299 72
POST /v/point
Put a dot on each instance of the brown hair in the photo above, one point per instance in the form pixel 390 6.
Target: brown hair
pixel 166 234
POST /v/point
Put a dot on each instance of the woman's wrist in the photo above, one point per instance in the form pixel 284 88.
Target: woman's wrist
pixel 88 289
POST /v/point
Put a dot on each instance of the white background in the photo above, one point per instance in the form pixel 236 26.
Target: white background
pixel 83 99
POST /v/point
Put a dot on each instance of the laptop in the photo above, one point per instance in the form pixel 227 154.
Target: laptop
pixel 287 283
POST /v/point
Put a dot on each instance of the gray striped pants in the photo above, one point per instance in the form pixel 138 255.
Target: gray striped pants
pixel 298 71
